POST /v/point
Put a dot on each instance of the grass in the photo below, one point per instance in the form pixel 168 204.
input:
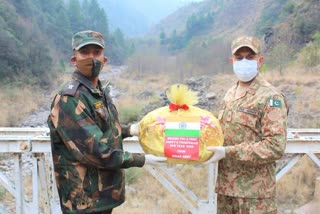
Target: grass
pixel 147 195
pixel 298 184
pixel 17 103
pixel 133 175
pixel 129 114
pixel 3 193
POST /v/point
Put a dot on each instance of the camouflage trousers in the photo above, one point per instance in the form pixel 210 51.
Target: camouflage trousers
pixel 235 205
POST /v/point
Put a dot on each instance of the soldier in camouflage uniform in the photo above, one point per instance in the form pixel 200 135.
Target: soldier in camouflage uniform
pixel 86 135
pixel 254 121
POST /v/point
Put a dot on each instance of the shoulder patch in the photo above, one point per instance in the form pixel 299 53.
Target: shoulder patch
pixel 70 88
pixel 275 103
pixel 275 114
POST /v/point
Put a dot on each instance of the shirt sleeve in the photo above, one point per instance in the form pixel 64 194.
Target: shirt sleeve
pixel 273 137
pixel 125 130
pixel 84 139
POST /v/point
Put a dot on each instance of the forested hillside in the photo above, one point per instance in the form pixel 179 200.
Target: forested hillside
pixel 36 37
pixel 202 32
pixel 224 18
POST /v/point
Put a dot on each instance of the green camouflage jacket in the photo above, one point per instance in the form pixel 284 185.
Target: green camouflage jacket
pixel 254 128
pixel 88 156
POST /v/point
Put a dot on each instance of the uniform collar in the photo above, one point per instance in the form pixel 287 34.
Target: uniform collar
pixel 84 81
pixel 253 86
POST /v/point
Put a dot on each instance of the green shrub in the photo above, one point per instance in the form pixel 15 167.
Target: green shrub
pixel 3 192
pixel 129 114
pixel 310 54
pixel 132 175
pixel 279 57
pixel 297 90
pixel 263 68
pixel 288 8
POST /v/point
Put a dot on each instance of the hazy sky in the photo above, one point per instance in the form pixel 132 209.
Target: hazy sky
pixel 135 17
pixel 188 0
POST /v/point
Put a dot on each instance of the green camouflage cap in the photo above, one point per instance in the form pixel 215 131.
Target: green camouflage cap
pixel 246 41
pixel 87 37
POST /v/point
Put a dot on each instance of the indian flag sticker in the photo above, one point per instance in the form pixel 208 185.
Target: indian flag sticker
pixel 275 103
pixel 182 137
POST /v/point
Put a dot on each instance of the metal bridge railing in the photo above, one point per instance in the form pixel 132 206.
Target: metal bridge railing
pixel 36 141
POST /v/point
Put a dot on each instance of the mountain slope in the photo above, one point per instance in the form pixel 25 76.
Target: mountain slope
pixel 134 17
pixel 228 17
pixel 285 26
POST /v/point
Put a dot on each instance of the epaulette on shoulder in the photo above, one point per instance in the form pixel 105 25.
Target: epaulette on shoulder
pixel 70 88
pixel 270 87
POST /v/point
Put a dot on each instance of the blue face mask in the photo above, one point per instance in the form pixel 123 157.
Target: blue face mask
pixel 245 69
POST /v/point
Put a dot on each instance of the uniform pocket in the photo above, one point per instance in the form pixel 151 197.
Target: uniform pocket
pixel 246 119
pixel 102 118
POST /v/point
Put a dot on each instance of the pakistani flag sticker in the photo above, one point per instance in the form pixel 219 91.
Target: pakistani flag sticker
pixel 275 103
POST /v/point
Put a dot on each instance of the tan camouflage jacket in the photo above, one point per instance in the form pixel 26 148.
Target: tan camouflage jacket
pixel 254 127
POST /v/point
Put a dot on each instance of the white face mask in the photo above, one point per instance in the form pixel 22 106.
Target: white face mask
pixel 245 69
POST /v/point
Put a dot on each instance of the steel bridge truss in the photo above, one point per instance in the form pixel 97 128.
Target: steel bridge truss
pixel 36 141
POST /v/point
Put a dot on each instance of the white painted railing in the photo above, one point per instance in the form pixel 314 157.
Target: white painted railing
pixel 36 141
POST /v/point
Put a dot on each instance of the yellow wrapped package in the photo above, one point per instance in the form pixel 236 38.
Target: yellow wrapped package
pixel 181 132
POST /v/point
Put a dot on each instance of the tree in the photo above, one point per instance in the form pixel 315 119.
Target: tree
pixel 102 23
pixel 163 38
pixel 94 17
pixel 23 7
pixel 280 56
pixel 86 14
pixel 311 52
pixel 75 16
pixel 62 31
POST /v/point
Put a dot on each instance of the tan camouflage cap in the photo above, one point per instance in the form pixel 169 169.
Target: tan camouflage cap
pixel 246 41
pixel 87 37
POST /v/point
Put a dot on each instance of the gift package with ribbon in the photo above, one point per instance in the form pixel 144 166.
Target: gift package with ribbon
pixel 180 131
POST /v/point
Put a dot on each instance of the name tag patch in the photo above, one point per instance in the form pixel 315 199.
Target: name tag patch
pixel 98 104
pixel 249 111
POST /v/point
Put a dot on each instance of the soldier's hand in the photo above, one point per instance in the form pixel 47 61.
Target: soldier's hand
pixel 219 153
pixel 155 160
pixel 134 129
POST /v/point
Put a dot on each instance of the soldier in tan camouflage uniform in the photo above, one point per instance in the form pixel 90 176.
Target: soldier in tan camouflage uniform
pixel 254 121
pixel 86 135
